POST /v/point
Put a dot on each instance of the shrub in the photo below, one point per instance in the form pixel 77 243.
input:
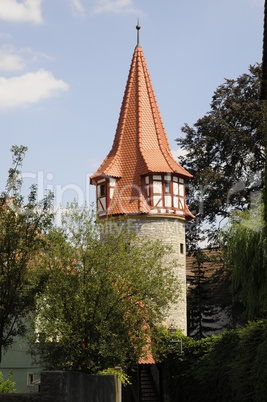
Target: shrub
pixel 7 386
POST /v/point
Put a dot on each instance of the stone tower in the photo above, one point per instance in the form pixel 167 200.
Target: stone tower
pixel 140 180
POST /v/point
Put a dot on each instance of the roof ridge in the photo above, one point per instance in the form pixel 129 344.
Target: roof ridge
pixel 139 51
pixel 122 115
pixel 116 145
pixel 154 109
pixel 139 91
pixel 158 123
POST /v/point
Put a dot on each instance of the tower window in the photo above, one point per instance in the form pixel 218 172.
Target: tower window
pixel 167 187
pixel 102 190
pixel 182 248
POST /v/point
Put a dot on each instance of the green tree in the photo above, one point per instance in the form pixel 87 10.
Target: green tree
pixel 225 154
pixel 246 252
pixel 263 97
pixel 106 289
pixel 22 226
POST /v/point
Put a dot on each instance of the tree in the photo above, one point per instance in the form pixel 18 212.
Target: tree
pixel 225 154
pixel 246 252
pixel 106 289
pixel 22 226
pixel 263 97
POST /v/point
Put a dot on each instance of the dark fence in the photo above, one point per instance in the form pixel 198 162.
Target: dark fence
pixel 68 386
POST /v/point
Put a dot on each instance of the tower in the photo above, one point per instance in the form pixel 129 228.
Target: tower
pixel 140 180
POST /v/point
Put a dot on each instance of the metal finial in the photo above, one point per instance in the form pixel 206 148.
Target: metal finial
pixel 138 29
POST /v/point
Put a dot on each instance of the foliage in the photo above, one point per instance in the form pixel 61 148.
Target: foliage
pixel 22 226
pixel 228 367
pixel 105 290
pixel 246 251
pixel 264 103
pixel 7 386
pixel 225 153
pixel 164 343
pixel 123 377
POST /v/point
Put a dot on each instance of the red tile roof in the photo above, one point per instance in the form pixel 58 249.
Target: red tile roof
pixel 149 359
pixel 140 145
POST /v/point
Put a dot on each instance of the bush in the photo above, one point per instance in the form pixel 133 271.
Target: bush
pixel 228 367
pixel 7 386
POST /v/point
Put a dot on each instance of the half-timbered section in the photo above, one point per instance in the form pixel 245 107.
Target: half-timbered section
pixel 165 193
pixel 104 193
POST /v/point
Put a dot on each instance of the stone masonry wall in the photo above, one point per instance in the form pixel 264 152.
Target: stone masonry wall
pixel 170 231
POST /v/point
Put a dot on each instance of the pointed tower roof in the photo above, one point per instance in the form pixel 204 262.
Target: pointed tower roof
pixel 140 145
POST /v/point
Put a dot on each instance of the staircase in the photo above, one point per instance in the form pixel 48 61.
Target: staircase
pixel 149 392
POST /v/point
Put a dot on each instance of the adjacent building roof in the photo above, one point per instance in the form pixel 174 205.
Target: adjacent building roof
pixel 207 267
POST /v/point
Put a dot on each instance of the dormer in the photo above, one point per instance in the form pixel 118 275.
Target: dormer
pixel 104 193
pixel 165 193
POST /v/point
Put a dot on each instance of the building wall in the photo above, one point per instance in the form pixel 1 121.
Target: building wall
pixel 169 231
pixel 18 360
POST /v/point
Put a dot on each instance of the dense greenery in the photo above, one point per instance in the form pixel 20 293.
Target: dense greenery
pixel 225 154
pixel 105 290
pixel 264 102
pixel 228 367
pixel 22 225
pixel 245 247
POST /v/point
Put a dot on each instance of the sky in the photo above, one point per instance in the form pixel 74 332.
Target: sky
pixel 64 66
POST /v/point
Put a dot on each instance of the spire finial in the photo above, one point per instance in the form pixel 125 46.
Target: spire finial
pixel 138 29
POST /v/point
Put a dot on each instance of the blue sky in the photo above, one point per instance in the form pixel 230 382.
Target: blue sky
pixel 64 65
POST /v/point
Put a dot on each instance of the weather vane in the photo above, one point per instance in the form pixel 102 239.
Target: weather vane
pixel 138 29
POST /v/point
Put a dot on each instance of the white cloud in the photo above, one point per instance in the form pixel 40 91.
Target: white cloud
pixel 178 153
pixel 115 6
pixel 4 35
pixel 77 7
pixel 259 2
pixel 15 59
pixel 10 62
pixel 21 11
pixel 29 88
pixel 256 3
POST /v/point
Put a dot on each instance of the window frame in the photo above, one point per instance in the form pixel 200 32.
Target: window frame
pixel 30 379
